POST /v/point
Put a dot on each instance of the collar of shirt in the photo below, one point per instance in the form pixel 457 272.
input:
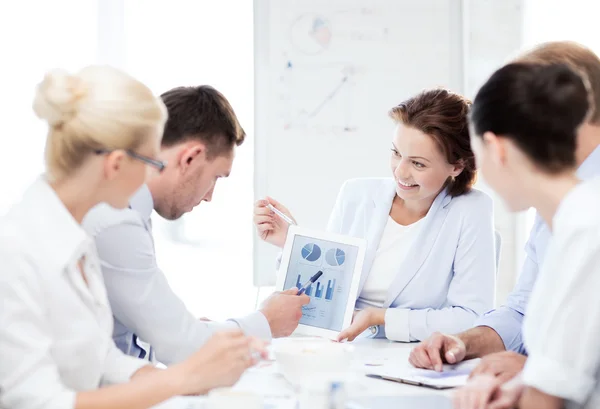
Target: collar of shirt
pixel 52 219
pixel 578 208
pixel 142 202
pixel 590 166
pixel 589 169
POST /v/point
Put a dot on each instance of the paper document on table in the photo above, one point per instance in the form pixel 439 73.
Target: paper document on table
pixel 452 376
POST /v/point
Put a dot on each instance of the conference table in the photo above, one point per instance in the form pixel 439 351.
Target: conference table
pixel 266 379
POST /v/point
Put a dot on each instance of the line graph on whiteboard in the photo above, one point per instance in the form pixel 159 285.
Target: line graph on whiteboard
pixel 327 101
pixel 320 78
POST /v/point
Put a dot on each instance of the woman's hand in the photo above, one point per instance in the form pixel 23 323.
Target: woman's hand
pixel 488 392
pixel 271 228
pixel 362 320
pixel 219 363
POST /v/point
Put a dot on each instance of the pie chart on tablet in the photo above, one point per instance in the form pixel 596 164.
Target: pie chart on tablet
pixel 335 257
pixel 311 252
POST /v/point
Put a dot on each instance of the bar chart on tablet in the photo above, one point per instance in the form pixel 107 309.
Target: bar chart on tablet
pixel 330 287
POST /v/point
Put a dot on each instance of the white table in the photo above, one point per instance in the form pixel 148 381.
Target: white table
pixel 278 393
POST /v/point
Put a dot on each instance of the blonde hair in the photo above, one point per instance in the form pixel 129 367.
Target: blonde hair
pixel 98 108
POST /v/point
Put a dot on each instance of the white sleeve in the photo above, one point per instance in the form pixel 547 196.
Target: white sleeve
pixel 566 363
pixel 29 378
pixel 118 367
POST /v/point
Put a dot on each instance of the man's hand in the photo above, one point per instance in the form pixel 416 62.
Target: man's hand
pixel 503 365
pixel 283 311
pixel 437 349
pixel 362 320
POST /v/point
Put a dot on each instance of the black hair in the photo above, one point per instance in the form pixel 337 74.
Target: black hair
pixel 539 107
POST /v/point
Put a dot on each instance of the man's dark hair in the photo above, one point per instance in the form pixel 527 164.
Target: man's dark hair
pixel 201 113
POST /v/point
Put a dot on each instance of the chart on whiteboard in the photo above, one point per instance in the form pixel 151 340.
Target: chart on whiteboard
pixel 321 64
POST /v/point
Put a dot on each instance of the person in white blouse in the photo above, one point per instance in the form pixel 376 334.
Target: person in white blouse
pixel 431 259
pixel 525 119
pixel 56 349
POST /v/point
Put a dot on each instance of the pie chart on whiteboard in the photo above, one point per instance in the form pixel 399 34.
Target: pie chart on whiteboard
pixel 311 34
pixel 311 252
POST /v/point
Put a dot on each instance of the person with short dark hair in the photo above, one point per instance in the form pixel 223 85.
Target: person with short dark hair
pixel 526 120
pixel 199 142
pixel 430 263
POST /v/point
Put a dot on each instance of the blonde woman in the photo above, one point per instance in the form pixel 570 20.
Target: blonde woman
pixel 56 349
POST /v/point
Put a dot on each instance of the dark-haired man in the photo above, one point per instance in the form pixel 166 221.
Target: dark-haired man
pixel 199 143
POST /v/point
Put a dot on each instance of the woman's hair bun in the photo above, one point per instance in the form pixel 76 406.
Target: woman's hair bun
pixel 58 96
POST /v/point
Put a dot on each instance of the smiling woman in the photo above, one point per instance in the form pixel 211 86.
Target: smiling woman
pixel 427 208
pixel 434 119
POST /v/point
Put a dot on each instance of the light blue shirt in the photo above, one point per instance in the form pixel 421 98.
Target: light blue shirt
pixel 146 310
pixel 508 319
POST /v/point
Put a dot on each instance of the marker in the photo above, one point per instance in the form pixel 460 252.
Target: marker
pixel 280 214
pixel 310 282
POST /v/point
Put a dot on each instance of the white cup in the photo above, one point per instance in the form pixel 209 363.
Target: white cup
pixel 227 398
pixel 304 362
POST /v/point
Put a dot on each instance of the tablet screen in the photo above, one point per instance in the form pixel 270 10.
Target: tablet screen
pixel 329 294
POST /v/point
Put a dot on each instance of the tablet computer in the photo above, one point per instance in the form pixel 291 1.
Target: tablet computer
pixel 333 295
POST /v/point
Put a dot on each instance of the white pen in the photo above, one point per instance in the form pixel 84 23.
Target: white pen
pixel 278 213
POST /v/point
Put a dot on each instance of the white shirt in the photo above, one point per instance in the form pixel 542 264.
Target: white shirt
pixel 562 324
pixel 55 331
pixel 396 242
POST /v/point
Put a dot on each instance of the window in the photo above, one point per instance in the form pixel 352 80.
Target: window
pixel 33 43
pixel 207 255
pixel 553 20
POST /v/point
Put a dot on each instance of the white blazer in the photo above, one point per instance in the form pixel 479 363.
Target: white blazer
pixel 449 278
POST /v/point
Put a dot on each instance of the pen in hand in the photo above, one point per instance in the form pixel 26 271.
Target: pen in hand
pixel 280 214
pixel 310 282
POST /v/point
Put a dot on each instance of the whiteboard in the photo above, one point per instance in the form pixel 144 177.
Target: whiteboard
pixel 326 75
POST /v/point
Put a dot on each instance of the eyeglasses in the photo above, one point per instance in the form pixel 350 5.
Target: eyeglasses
pixel 159 165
